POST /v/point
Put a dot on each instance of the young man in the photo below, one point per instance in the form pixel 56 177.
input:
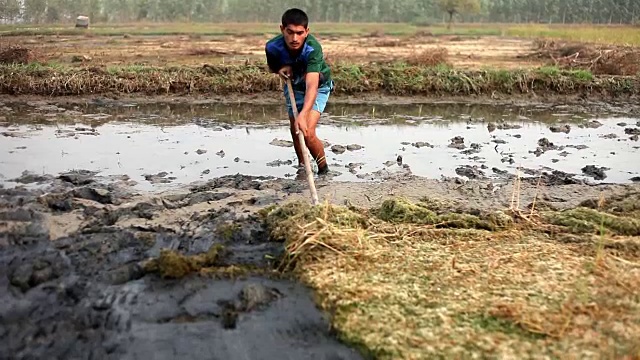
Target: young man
pixel 297 55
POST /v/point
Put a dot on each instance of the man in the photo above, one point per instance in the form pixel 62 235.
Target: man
pixel 295 54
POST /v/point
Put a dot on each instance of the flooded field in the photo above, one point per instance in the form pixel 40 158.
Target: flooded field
pixel 160 146
pixel 131 228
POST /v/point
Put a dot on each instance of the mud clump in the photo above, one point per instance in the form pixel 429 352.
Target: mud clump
pixel 471 172
pixel 281 143
pixel 544 145
pixel 598 173
pixel 560 128
pixel 475 148
pixel 28 177
pixel 159 178
pixel 16 55
pixel 277 163
pixel 593 124
pixel 457 143
pixel 420 144
pixel 338 149
pixel 354 147
pixel 78 177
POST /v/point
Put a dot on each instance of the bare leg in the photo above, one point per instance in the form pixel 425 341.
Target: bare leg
pixel 311 140
pixel 296 143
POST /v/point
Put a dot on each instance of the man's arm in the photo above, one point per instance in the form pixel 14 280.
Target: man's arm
pixel 272 60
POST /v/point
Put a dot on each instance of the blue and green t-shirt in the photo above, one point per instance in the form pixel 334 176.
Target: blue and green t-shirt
pixel 310 59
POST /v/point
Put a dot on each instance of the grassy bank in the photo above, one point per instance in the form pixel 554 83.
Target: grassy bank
pixel 393 79
pixel 435 279
pixel 603 34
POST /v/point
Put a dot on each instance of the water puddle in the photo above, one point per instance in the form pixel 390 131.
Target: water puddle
pixel 163 145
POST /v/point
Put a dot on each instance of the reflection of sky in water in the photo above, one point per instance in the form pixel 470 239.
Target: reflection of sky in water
pixel 137 148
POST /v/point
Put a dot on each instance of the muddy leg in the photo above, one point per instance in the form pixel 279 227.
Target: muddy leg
pixel 314 144
pixel 296 143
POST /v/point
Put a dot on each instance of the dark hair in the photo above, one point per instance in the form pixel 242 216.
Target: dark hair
pixel 295 17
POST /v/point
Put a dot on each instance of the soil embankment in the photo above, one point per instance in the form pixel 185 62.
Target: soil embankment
pixel 390 79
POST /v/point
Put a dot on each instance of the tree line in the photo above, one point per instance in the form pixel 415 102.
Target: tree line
pixel 410 11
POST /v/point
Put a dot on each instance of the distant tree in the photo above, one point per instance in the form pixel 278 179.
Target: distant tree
pixel 10 10
pixel 453 7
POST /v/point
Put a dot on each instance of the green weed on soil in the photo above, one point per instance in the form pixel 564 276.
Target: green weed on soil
pixel 397 78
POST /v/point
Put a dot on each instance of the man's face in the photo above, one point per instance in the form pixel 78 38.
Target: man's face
pixel 294 35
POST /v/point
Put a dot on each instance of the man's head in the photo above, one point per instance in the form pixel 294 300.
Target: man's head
pixel 295 28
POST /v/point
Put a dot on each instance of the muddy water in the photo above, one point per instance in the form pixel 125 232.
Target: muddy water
pixel 72 252
pixel 165 145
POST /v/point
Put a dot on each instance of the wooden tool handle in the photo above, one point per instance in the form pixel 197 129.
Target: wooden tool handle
pixel 307 165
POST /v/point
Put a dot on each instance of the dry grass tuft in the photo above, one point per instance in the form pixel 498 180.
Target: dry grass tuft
pixel 173 265
pixel 201 51
pixel 388 43
pixel 430 57
pixel 15 54
pixel 405 288
pixel 600 59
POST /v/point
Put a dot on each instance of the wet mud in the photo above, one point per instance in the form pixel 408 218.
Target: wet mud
pixel 104 270
pixel 94 270
pixel 201 141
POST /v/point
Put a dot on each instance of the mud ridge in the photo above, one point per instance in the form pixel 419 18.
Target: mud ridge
pixel 104 273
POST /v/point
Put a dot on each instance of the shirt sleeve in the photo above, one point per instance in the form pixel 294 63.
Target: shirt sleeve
pixel 316 59
pixel 272 60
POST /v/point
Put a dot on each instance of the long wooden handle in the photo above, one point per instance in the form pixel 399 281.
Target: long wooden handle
pixel 307 165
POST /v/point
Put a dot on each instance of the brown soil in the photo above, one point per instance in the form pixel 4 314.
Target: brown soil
pixel 15 54
pixel 462 53
pixel 610 60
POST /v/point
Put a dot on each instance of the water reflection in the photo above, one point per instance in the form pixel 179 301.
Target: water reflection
pixel 174 114
pixel 198 141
